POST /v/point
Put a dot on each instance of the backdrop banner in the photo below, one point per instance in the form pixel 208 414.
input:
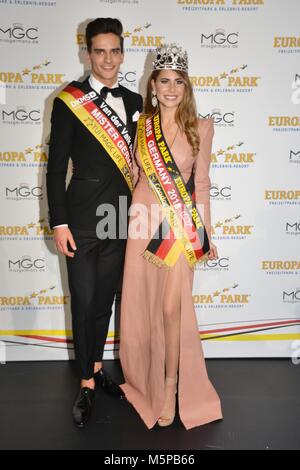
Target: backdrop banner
pixel 244 67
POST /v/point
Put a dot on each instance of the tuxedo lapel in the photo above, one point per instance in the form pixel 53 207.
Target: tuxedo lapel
pixel 129 105
pixel 85 86
pixel 128 108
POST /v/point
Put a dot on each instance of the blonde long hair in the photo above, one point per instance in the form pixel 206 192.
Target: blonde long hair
pixel 186 115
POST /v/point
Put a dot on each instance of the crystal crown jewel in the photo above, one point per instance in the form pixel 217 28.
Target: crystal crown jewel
pixel 170 56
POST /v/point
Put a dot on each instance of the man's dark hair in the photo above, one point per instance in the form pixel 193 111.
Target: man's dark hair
pixel 104 26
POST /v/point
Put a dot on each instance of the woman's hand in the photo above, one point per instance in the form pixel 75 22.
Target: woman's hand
pixel 213 252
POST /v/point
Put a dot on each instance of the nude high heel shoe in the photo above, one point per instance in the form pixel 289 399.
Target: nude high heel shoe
pixel 168 412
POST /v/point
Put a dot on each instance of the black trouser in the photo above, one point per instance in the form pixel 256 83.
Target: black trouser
pixel 94 274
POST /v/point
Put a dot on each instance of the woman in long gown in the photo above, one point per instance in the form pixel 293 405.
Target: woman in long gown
pixel 160 347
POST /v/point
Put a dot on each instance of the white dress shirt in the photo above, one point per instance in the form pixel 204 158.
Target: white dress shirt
pixel 116 104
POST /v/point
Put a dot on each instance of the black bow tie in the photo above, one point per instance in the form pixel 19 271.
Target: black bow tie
pixel 116 92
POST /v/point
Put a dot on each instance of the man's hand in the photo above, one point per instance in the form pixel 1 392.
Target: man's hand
pixel 213 252
pixel 63 235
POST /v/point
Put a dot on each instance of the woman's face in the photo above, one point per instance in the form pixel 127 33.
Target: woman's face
pixel 169 88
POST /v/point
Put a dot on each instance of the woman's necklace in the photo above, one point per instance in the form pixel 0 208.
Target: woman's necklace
pixel 170 146
pixel 174 137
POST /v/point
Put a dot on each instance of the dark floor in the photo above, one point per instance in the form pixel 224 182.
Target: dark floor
pixel 260 398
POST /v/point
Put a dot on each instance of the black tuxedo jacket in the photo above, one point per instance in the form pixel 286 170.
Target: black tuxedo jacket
pixel 77 205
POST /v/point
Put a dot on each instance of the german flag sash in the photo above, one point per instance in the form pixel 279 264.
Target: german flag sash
pixel 104 124
pixel 182 230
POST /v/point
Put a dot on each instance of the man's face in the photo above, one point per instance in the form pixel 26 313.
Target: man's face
pixel 106 57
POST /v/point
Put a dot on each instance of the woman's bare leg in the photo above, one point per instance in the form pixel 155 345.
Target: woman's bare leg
pixel 172 314
pixel 171 310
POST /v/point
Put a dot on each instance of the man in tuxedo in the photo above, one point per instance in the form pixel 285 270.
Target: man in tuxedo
pixel 94 264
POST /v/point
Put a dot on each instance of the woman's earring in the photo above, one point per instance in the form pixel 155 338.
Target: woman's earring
pixel 154 100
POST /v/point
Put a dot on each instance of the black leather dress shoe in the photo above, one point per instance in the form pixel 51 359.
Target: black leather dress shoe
pixel 83 406
pixel 103 380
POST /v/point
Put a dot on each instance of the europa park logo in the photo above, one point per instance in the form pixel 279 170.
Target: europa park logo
pixel 33 231
pixel 284 123
pixel 39 298
pixel 232 81
pixel 221 5
pixel 228 297
pixel 282 197
pixel 281 267
pixel 36 156
pixel 34 77
pixel 140 39
pixel 231 229
pixel 234 156
pixel 286 44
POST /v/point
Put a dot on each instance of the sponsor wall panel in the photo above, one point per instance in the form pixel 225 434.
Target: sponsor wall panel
pixel 244 66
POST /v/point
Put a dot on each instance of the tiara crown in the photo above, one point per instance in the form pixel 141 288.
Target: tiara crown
pixel 172 57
